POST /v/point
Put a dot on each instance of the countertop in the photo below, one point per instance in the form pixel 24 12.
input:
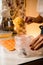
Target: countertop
pixel 12 58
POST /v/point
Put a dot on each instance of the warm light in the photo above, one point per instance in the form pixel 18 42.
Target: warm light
pixel 33 29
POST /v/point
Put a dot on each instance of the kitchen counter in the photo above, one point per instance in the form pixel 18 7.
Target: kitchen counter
pixel 12 58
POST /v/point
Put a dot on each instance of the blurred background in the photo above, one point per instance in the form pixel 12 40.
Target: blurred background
pixel 20 17
pixel 31 11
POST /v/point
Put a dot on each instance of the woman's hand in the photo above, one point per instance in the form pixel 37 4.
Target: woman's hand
pixel 37 43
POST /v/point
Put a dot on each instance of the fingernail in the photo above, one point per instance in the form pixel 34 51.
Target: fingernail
pixel 30 45
pixel 32 48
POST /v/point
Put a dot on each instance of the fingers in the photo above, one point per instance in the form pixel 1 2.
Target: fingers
pixel 35 40
pixel 38 46
pixel 36 43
